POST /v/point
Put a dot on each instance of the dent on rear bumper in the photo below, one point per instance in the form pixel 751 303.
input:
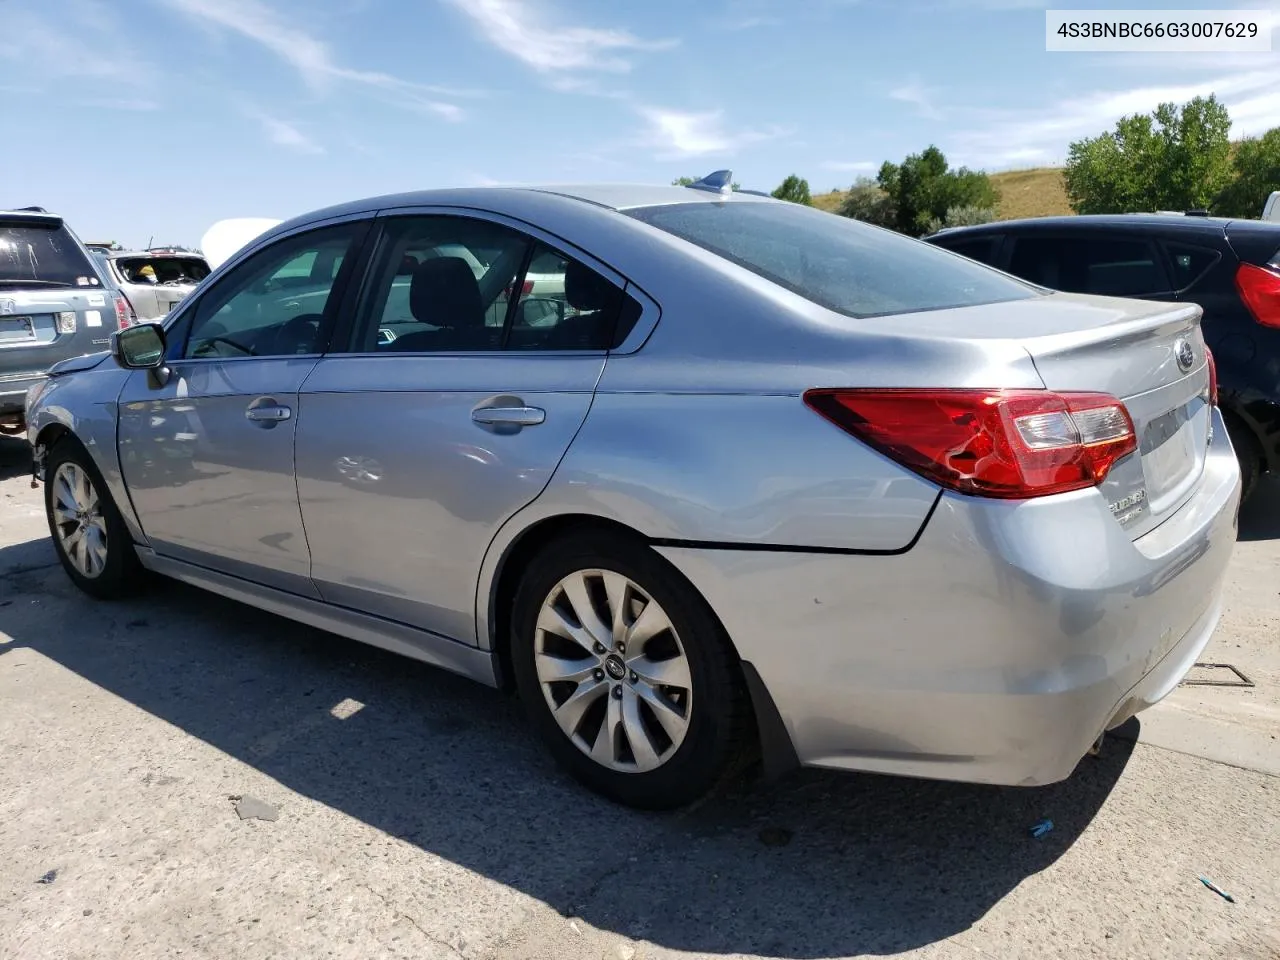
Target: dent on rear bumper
pixel 994 651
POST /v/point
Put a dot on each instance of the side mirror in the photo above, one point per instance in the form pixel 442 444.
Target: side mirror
pixel 140 347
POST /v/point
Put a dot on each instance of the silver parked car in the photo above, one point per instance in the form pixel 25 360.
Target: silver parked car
pixel 154 281
pixel 772 479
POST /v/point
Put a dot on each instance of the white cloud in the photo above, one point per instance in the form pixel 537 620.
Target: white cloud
pixel 519 28
pixel 678 134
pixel 999 4
pixel 750 23
pixel 284 134
pixel 310 56
pixel 919 96
pixel 850 166
pixel 120 103
pixel 1041 134
pixel 72 45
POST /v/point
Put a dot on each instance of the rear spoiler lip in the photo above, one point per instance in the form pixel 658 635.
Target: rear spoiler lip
pixel 48 221
pixel 1237 242
pixel 1163 314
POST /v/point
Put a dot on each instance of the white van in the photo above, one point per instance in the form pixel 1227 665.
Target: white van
pixel 1272 210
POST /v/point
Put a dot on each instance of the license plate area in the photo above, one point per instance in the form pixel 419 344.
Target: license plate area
pixel 1168 450
pixel 17 330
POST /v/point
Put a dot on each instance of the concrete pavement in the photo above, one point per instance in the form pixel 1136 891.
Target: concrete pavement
pixel 417 817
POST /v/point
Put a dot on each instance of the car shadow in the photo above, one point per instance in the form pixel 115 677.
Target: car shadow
pixel 816 865
pixel 15 457
pixel 1260 514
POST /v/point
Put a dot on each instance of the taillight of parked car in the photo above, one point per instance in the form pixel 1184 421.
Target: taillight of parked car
pixel 1260 290
pixel 124 312
pixel 1009 444
pixel 1213 376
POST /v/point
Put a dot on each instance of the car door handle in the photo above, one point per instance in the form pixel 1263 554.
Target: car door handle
pixel 265 414
pixel 509 416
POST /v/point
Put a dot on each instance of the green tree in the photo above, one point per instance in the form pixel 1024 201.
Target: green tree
pixel 1255 170
pixel 866 201
pixel 795 189
pixel 1175 158
pixel 962 217
pixel 923 188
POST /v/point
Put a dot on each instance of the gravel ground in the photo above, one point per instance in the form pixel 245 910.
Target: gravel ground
pixel 414 815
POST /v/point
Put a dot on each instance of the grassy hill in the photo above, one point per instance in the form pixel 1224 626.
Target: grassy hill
pixel 1039 192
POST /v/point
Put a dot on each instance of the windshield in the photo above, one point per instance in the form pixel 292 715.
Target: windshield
pixel 835 262
pixel 164 270
pixel 43 253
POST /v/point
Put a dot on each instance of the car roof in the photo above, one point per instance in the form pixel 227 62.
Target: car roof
pixel 1154 221
pixel 612 196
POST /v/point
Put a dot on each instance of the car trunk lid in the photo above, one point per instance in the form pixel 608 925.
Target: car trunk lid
pixel 1152 357
pixel 1126 348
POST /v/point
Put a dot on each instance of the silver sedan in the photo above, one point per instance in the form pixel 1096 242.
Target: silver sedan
pixel 751 478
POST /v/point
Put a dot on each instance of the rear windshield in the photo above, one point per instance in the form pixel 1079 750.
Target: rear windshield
pixel 171 270
pixel 838 263
pixel 43 253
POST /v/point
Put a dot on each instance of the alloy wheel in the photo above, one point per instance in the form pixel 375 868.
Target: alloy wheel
pixel 613 671
pixel 78 520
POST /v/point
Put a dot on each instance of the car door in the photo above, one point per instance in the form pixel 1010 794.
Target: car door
pixel 461 390
pixel 207 454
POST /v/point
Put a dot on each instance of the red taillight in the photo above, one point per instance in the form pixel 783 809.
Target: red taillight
pixel 1213 376
pixel 1260 290
pixel 124 312
pixel 526 288
pixel 1010 444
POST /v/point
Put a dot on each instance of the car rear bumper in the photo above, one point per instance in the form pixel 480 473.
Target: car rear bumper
pixel 998 648
pixel 13 391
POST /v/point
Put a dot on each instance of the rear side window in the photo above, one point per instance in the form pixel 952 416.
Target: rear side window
pixel 982 249
pixel 1113 268
pixel 1189 264
pixel 44 253
pixel 838 263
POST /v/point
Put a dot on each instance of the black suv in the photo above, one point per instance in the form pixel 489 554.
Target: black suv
pixel 1231 268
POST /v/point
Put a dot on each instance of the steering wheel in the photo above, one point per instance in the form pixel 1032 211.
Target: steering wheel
pixel 298 335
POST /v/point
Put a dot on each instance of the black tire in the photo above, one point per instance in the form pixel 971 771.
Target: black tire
pixel 121 574
pixel 1248 453
pixel 719 711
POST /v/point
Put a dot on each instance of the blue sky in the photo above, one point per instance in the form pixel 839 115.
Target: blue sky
pixel 140 118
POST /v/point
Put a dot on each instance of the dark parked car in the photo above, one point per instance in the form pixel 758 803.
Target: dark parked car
pixel 56 302
pixel 1231 268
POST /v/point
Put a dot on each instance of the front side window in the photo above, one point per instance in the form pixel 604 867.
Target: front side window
pixel 446 284
pixel 274 303
pixel 838 263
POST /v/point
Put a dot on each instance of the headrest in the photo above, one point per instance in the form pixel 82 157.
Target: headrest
pixel 444 293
